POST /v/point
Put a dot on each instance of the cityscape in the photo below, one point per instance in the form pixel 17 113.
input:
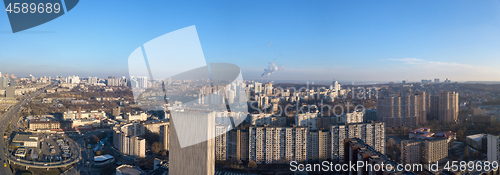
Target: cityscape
pixel 93 126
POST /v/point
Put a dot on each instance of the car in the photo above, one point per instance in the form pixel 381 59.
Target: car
pixel 45 164
pixel 4 164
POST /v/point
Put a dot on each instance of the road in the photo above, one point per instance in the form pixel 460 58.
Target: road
pixel 87 155
pixel 13 116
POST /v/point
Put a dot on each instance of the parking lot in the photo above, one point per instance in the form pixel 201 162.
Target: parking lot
pixel 50 148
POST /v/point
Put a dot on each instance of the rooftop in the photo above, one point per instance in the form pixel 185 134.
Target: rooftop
pixel 129 170
pixel 24 138
pixel 476 136
pixel 102 158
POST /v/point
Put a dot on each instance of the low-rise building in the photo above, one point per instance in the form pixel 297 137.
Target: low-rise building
pixel 136 116
pixel 476 141
pixel 37 124
pixel 129 170
pixel 25 140
pixel 267 119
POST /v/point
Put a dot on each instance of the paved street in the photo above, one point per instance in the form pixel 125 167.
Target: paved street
pixel 5 119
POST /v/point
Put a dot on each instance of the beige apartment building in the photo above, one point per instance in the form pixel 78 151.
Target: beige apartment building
pixel 423 151
pixel 237 145
pixel 220 142
pixel 448 107
pixel 405 109
pixel 126 139
pixel 164 136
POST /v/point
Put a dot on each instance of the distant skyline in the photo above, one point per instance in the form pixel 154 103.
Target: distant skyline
pixel 314 40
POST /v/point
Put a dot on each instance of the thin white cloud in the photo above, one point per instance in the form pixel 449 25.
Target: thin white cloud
pixel 407 59
pixel 418 68
pixel 269 45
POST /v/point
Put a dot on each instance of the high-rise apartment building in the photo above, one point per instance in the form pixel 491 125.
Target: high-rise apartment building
pixel 423 151
pixel 448 107
pixel 493 148
pixel 220 142
pixel 126 139
pixel 164 136
pixel 10 92
pixel 435 150
pixel 142 82
pixel 92 80
pixel 237 145
pixel 73 79
pixel 411 152
pixel 444 106
pixel 258 88
pixel 112 81
pixel 434 106
pixel 268 89
pixel 198 158
pixel 318 145
pixel 4 82
pixel 406 109
pixel 278 144
pixel 372 134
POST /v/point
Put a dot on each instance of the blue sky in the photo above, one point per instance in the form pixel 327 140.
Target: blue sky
pixel 386 40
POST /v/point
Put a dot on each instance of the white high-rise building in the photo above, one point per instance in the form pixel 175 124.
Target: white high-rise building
pixel 3 82
pixel 278 144
pixel 92 80
pixel 126 139
pixel 493 147
pixel 134 83
pixel 258 88
pixel 73 79
pixel 164 136
pixel 142 82
pixel 336 86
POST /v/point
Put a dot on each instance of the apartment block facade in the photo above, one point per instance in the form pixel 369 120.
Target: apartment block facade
pixel 372 134
pixel 278 144
pixel 406 109
pixel 127 140
pixel 423 151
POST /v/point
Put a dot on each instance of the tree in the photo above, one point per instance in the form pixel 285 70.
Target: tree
pixel 466 153
pixel 390 142
pixel 460 134
pixel 252 164
pixel 156 147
